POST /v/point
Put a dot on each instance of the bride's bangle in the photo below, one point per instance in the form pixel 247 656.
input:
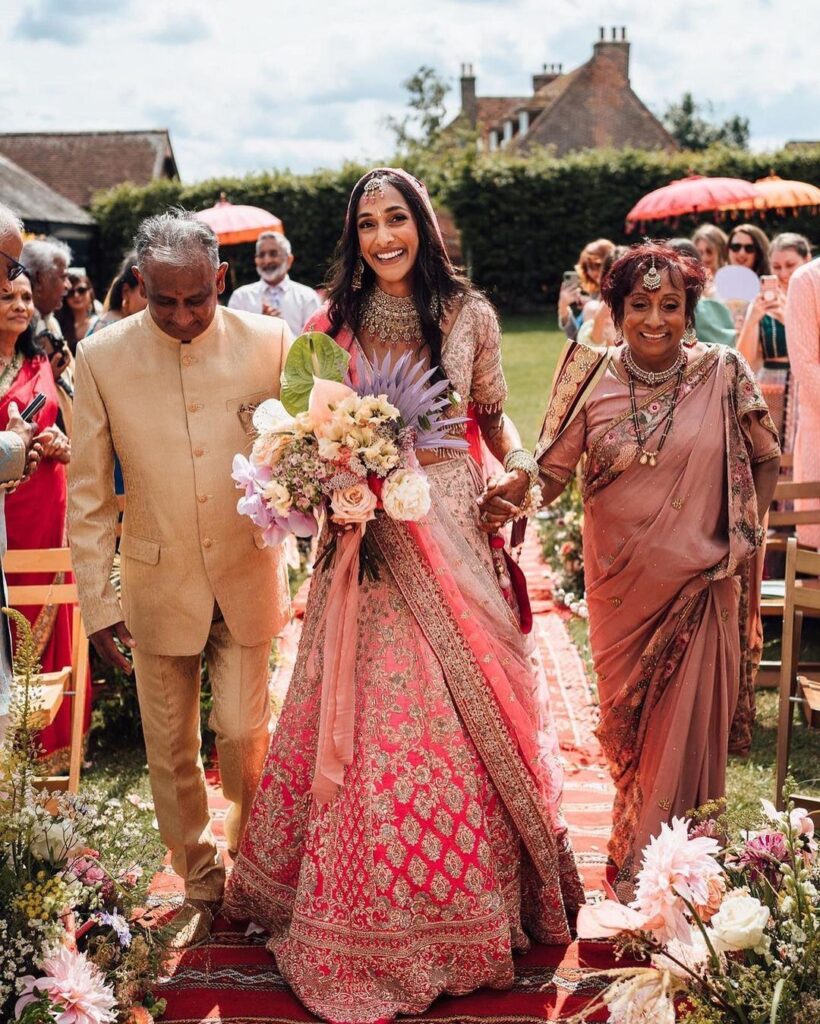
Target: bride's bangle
pixel 520 458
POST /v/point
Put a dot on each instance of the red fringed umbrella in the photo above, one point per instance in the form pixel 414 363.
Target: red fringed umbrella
pixel 233 224
pixel 695 194
pixel 775 193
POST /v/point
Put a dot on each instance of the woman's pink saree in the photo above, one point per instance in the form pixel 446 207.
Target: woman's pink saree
pixel 665 549
pixel 445 838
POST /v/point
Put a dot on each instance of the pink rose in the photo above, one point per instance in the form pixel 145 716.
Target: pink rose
pixel 356 504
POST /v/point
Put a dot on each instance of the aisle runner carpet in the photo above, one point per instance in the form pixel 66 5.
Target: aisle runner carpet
pixel 233 979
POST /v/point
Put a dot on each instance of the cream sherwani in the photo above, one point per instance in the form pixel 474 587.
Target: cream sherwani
pixel 195 575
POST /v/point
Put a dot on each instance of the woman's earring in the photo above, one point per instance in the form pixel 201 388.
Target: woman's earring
pixel 356 283
pixel 690 338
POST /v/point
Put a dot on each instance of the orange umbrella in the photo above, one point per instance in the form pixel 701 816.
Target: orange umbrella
pixel 233 224
pixel 775 193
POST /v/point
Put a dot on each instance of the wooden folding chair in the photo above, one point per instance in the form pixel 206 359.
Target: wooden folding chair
pixel 802 596
pixel 69 681
pixel 785 523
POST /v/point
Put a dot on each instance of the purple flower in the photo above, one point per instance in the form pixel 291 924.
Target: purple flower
pixel 765 853
pixel 253 507
pixel 117 922
pixel 302 524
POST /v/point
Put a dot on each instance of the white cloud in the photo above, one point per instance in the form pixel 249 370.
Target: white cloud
pixel 244 85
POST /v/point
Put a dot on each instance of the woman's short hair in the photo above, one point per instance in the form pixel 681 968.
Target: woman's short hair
pixel 761 243
pixel 684 271
pixel 601 248
pixel 718 239
pixel 791 240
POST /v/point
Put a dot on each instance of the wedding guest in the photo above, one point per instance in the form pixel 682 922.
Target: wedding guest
pixel 170 391
pixel 602 330
pixel 414 870
pixel 78 313
pixel 712 245
pixel 36 511
pixel 19 453
pixel 275 294
pixel 749 247
pixel 123 298
pixel 575 296
pixel 714 324
pixel 803 332
pixel 679 445
pixel 763 339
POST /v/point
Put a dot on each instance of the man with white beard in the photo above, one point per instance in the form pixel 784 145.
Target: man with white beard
pixel 275 294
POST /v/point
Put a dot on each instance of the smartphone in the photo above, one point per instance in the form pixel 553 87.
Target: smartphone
pixel 768 287
pixel 570 279
pixel 33 407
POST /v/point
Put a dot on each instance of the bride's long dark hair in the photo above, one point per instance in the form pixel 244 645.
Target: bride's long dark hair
pixel 435 282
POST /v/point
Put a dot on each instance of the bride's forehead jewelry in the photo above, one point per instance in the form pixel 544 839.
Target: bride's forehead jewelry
pixel 652 279
pixel 374 188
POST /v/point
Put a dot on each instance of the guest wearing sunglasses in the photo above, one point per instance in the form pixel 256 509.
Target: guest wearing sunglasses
pixel 79 312
pixel 749 247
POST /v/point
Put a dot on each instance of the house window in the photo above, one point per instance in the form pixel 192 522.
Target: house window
pixel 523 122
pixel 493 140
pixel 508 131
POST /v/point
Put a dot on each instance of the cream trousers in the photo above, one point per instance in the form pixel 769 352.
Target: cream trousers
pixel 168 692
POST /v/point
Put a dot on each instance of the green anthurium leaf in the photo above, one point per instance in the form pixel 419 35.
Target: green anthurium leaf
pixel 311 355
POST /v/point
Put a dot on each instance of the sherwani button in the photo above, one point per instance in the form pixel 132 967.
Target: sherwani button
pixel 194 407
pixel 202 498
pixel 199 452
pixel 207 542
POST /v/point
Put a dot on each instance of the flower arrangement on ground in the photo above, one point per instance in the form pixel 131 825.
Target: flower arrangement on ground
pixel 560 527
pixel 730 924
pixel 72 948
pixel 343 449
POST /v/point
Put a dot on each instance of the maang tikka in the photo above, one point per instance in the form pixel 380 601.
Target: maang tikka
pixel 652 279
pixel 374 188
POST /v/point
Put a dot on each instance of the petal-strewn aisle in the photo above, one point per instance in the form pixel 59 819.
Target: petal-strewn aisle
pixel 233 980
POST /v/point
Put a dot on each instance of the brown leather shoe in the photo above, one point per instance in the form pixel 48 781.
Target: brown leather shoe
pixel 192 924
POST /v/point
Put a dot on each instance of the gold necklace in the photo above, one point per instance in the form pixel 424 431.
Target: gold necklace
pixel 10 371
pixel 393 319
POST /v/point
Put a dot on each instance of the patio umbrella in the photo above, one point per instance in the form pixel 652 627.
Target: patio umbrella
pixel 775 193
pixel 236 223
pixel 695 194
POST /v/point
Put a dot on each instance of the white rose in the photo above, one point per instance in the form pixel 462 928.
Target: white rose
pixel 356 504
pixel 406 495
pixel 740 923
pixel 278 497
pixel 55 840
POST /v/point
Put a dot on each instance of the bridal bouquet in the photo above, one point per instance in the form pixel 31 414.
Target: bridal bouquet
pixel 730 924
pixel 345 450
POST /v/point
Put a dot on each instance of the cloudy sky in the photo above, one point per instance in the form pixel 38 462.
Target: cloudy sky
pixel 246 85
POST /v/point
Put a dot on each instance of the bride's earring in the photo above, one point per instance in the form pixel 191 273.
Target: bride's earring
pixel 356 283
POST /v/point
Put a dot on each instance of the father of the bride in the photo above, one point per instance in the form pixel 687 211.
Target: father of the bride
pixel 170 392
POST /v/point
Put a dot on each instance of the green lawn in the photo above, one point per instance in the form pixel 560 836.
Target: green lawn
pixel 530 349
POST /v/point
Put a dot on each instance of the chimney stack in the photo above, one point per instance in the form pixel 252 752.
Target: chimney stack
pixel 469 103
pixel 615 49
pixel 548 73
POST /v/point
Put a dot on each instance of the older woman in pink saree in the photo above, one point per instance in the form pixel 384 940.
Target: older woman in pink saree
pixel 417 859
pixel 680 460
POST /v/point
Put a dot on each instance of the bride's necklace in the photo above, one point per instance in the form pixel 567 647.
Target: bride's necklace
pixel 393 319
pixel 652 379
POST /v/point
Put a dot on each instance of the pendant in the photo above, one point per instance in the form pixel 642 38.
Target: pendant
pixel 644 459
pixel 652 460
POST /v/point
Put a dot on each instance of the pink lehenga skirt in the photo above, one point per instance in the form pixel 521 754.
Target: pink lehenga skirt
pixel 445 846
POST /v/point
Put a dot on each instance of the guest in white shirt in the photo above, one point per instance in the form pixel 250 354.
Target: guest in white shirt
pixel 274 294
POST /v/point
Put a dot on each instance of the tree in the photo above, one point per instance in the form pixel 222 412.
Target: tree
pixel 692 130
pixel 421 128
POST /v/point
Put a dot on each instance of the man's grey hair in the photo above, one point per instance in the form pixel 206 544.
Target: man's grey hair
pixel 40 256
pixel 281 241
pixel 10 223
pixel 175 237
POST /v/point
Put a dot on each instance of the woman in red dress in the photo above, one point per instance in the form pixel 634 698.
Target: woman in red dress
pixel 36 511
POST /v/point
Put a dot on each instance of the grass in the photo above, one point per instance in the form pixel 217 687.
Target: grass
pixel 531 346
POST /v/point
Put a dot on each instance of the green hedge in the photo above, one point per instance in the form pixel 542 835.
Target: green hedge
pixel 522 222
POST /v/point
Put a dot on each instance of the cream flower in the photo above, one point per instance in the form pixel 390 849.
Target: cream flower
pixel 356 504
pixel 406 495
pixel 381 455
pixel 329 449
pixel 740 923
pixel 55 840
pixel 278 497
pixel 642 997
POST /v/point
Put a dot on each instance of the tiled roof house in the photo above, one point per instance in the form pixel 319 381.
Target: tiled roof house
pixel 77 164
pixel 590 107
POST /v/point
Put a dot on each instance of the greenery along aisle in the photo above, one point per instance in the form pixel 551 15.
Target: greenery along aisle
pixel 74 873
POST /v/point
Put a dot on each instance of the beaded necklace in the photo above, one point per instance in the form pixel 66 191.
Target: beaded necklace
pixel 677 369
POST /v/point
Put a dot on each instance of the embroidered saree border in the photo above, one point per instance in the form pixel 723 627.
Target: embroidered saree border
pixel 468 687
pixel 571 386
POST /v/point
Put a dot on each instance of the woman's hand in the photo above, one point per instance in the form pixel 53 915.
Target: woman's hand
pixel 55 445
pixel 501 500
pixel 568 295
pixel 58 362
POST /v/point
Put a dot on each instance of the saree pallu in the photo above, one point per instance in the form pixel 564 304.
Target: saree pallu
pixel 36 519
pixel 445 841
pixel 666 549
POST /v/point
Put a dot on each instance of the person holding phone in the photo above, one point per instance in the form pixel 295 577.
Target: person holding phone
pixel 762 338
pixel 36 510
pixel 581 286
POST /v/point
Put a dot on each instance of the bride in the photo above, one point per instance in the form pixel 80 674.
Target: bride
pixel 444 847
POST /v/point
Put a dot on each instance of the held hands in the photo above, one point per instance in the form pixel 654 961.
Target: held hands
pixel 105 644
pixel 55 445
pixel 502 499
pixel 28 433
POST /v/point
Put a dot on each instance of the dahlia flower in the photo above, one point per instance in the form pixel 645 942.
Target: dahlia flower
pixel 642 997
pixel 75 986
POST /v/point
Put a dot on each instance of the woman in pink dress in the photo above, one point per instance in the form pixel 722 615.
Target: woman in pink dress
pixel 444 846
pixel 681 464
